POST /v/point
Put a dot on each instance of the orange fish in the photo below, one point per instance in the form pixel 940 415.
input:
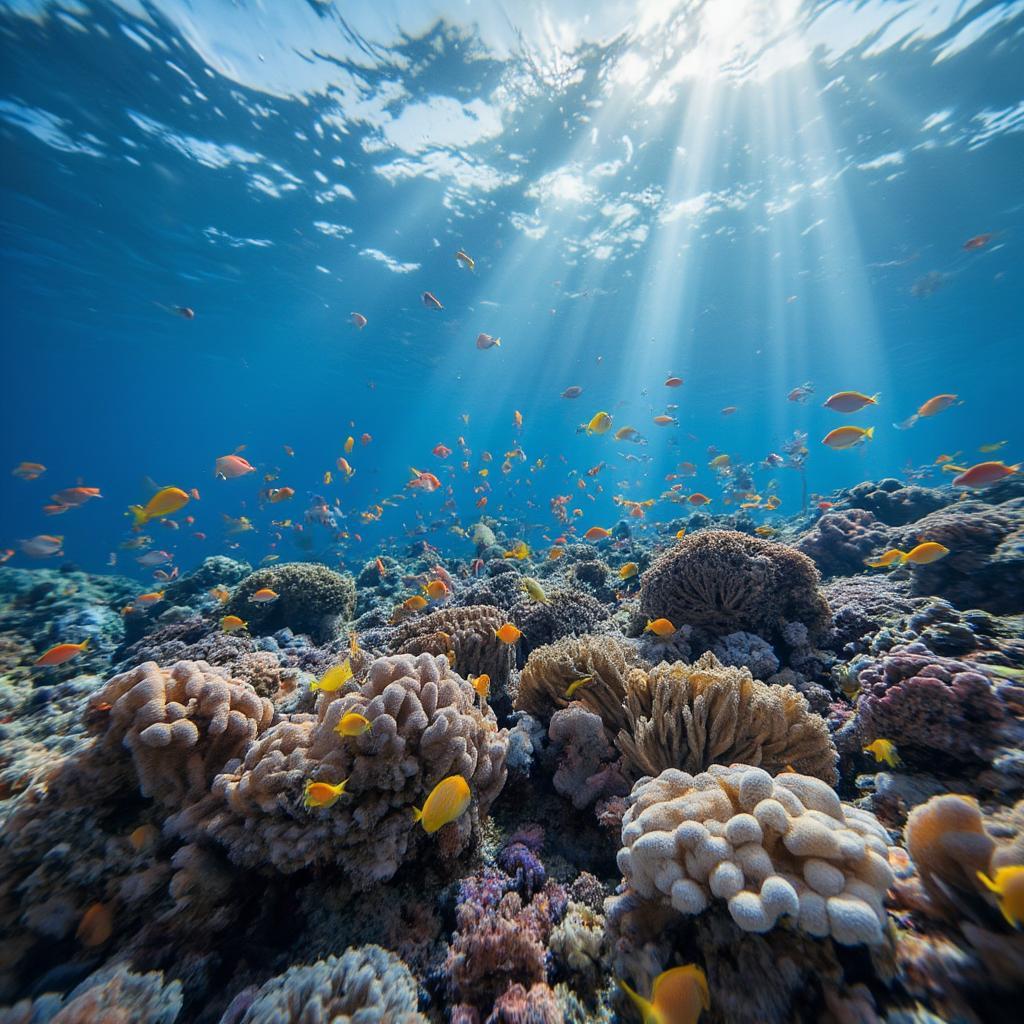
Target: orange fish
pixel 365 439
pixel 977 242
pixel 984 474
pixel 75 496
pixel 228 467
pixel 279 494
pixel 96 926
pixel 664 421
pixel 28 470
pixel 61 653
pixel 423 481
pixel 597 533
pixel 673 382
pixel 441 451
pixel 699 499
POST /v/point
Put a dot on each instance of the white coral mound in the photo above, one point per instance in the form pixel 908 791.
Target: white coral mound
pixel 770 847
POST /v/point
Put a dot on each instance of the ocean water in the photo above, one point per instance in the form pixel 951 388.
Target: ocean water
pixel 748 195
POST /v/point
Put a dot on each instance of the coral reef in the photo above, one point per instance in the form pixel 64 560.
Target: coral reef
pixel 842 539
pixel 772 848
pixel 895 503
pixel 586 759
pixel 567 613
pixel 310 599
pixel 722 582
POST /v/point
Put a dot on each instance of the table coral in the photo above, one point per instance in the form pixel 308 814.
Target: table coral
pixel 721 582
pixel 310 599
pixel 772 848
pixel 425 724
pixel 690 716
pixel 366 985
pixel 182 725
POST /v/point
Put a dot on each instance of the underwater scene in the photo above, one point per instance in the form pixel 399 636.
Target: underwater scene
pixel 511 512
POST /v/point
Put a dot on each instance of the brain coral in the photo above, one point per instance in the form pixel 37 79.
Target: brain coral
pixel 690 716
pixel 469 633
pixel 426 724
pixel 551 669
pixel 723 582
pixel 772 848
pixel 182 725
pixel 841 539
pixel 366 984
pixel 310 599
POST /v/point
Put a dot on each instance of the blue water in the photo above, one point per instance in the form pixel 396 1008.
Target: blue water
pixel 749 195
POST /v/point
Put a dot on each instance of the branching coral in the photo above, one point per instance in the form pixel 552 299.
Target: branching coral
pixel 366 985
pixel 551 669
pixel 182 725
pixel 929 705
pixel 690 716
pixel 310 599
pixel 772 848
pixel 466 632
pixel 425 724
pixel 722 582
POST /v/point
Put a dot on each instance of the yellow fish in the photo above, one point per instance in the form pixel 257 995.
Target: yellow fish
pixel 508 634
pixel 519 550
pixel 350 443
pixel 628 571
pixel 576 684
pixel 166 501
pixel 265 596
pixel 414 603
pixel 327 477
pixel 718 461
pixel 950 468
pixel 846 437
pixel 659 627
pixel 678 996
pixel 334 678
pixel 926 553
pixel 322 794
pixel 600 423
pixel 680 534
pixel 482 685
pixel 231 623
pixel 535 590
pixel 1008 885
pixel 884 750
pixel 555 553
pixel 448 800
pixel 436 590
pixel 892 557
pixel 765 531
pixel 994 447
pixel 352 724
pixel 626 433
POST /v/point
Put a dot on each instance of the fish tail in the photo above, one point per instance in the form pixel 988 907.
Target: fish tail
pixel 869 433
pixel 139 515
pixel 417 814
pixel 642 1004
pixel 987 882
pixel 875 397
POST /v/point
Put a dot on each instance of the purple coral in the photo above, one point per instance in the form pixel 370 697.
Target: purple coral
pixel 841 539
pixel 588 765
pixel 518 858
pixel 929 705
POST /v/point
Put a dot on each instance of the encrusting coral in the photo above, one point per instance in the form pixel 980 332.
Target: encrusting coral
pixel 310 599
pixel 690 716
pixel 772 848
pixel 722 582
pixel 425 724
pixel 365 985
pixel 182 725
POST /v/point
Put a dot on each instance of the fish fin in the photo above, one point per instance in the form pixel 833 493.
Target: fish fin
pixel 987 882
pixel 139 515
pixel 869 433
pixel 417 814
pixel 875 397
pixel 643 1005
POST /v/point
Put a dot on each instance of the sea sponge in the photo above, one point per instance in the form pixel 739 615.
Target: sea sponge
pixel 552 668
pixel 469 633
pixel 310 599
pixel 366 984
pixel 567 613
pixel 722 582
pixel 690 716
pixel 426 724
pixel 772 848
pixel 182 725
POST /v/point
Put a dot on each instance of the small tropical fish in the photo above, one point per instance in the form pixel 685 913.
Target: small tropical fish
pixel 228 467
pixel 151 559
pixel 153 597
pixel 891 557
pixel 28 470
pixel 464 259
pixel 535 590
pixel 600 423
pixel 659 627
pixel 699 499
pixel 597 533
pixel 950 468
pixel 765 531
pixel 680 534
pixel 334 678
pixel 930 408
pixel 678 996
pixel 485 341
pixel 665 421
pixel 729 410
pixel 415 603
pixel 431 301
pixel 232 623
pixel 1008 885
pixel 576 684
pixel 423 481
pixel 673 382
pixel 926 553
pixel 448 801
pixel 884 750
pixel 555 553
pixel 719 460
pixel 42 546
pixel 264 596
pixel 989 448
pixel 984 474
pixel 353 724
pixel 436 590
pixel 144 837
pixel 322 794
pixel 61 653
pixel 978 242
pixel 278 494
pixel 358 320
pixel 628 571
pixel 847 437
pixel 801 393
pixel 221 593
pixel 96 926
pixel 508 634
pixel 849 401
pixel 573 391
pixel 482 685
pixel 519 550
